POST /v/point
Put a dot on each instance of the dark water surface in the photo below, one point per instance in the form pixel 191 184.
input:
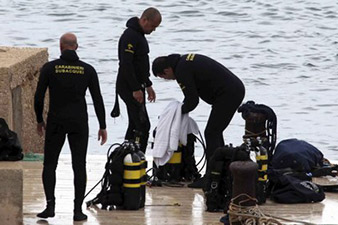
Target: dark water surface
pixel 284 51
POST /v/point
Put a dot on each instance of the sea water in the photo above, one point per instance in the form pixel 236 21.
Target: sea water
pixel 285 52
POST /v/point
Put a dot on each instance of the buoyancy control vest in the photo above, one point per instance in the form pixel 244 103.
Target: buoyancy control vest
pixel 219 180
pixel 260 137
pixel 181 166
pixel 261 123
pixel 123 185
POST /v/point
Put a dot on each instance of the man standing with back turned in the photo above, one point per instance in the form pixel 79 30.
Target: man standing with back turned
pixel 202 77
pixel 133 75
pixel 67 79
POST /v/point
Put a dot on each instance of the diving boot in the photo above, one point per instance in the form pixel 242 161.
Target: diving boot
pixel 198 183
pixel 49 211
pixel 79 215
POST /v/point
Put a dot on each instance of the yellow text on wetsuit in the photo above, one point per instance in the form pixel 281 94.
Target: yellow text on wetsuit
pixel 190 57
pixel 129 48
pixel 69 69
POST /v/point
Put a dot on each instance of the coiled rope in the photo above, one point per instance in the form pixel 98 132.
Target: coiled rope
pixel 253 215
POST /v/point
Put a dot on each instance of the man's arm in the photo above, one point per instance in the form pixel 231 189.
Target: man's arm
pixel 139 96
pixel 127 49
pixel 186 81
pixel 102 135
pixel 95 92
pixel 39 98
pixel 151 94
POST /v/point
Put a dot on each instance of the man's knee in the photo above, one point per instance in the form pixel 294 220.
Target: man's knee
pixel 211 133
pixel 79 165
pixel 50 165
pixel 146 127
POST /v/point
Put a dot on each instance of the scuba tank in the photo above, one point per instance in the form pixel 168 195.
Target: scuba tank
pixel 132 180
pixel 172 170
pixel 143 176
pixel 260 137
pixel 143 167
pixel 255 145
pixel 174 165
pixel 260 121
pixel 122 182
pixel 262 161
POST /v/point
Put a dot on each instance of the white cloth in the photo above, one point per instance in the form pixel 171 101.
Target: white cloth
pixel 173 127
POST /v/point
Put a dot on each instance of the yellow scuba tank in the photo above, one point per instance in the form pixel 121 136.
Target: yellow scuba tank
pixel 175 163
pixel 143 175
pixel 262 161
pixel 176 158
pixel 132 180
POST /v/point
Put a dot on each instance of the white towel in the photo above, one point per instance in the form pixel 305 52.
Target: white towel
pixel 172 128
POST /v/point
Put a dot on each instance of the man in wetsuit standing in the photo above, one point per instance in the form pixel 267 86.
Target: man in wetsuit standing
pixel 133 74
pixel 67 79
pixel 202 77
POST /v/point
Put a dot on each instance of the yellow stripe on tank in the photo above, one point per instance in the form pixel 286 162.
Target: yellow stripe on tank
pixel 176 158
pixel 131 174
pixel 132 185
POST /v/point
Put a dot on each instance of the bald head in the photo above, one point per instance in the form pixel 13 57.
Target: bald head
pixel 68 41
pixel 151 14
pixel 150 19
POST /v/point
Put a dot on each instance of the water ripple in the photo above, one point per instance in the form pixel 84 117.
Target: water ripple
pixel 286 54
pixel 276 65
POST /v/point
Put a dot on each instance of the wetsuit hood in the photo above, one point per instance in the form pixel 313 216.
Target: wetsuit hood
pixel 69 55
pixel 173 60
pixel 133 23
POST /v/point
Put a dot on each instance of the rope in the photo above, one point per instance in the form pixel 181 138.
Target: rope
pixel 201 140
pixel 252 134
pixel 253 215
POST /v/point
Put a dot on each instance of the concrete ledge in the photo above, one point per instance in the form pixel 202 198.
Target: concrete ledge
pixel 11 193
pixel 19 73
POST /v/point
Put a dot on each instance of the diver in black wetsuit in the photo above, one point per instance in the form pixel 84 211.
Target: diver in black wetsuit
pixel 202 77
pixel 67 79
pixel 133 74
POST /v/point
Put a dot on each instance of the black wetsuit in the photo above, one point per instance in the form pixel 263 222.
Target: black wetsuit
pixel 202 77
pixel 133 75
pixel 67 79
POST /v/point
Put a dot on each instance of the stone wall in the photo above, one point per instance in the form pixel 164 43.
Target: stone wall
pixel 11 193
pixel 19 73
